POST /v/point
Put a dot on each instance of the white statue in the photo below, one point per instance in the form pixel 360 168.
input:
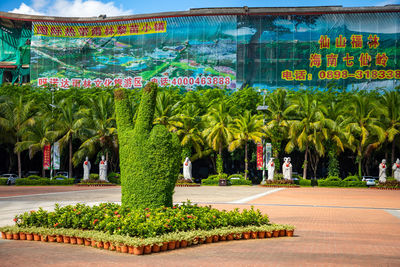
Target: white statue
pixel 287 169
pixel 187 170
pixel 271 169
pixel 382 171
pixel 103 169
pixel 396 170
pixel 86 169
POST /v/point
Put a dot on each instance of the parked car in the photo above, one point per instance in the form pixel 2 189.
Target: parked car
pixel 370 181
pixel 11 178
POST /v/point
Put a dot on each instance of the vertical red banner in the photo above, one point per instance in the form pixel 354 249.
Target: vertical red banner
pixel 259 157
pixel 46 157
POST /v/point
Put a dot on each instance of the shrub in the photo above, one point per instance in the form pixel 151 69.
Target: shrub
pixel 351 178
pixel 240 182
pixel 114 178
pixel 43 181
pixel 351 181
pixel 149 154
pixel 34 177
pixel 278 176
pixel 304 182
pixel 237 175
pixel 3 181
pixel 93 176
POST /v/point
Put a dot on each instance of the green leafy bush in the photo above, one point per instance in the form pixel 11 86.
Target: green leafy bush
pixel 351 181
pixel 240 182
pixel 3 181
pixel 237 175
pixel 149 154
pixel 93 176
pixel 351 178
pixel 43 181
pixel 114 178
pixel 115 219
pixel 304 182
pixel 34 177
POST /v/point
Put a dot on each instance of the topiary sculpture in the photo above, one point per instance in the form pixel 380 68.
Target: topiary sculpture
pixel 149 154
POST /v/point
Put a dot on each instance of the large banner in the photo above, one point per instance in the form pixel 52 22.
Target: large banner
pixel 293 51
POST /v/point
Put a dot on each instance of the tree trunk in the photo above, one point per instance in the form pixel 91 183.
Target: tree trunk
pixel 245 161
pixel 19 162
pixel 43 170
pixel 305 163
pixel 70 159
pixel 393 151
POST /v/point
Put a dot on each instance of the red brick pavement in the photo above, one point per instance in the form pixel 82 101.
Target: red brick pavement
pixel 8 191
pixel 324 237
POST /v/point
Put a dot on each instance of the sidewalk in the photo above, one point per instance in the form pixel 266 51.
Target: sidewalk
pixel 335 227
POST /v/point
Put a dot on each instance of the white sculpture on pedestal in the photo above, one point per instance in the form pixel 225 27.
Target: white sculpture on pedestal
pixel 287 169
pixel 382 171
pixel 86 169
pixel 396 170
pixel 187 170
pixel 103 170
pixel 271 169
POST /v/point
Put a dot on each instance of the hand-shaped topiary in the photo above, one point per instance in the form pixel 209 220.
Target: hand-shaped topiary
pixel 149 154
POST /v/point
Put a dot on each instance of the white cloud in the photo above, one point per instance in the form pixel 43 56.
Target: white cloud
pixel 388 2
pixel 73 8
pixel 241 31
pixel 25 9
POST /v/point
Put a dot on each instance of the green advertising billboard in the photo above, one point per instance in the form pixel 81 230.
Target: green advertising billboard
pixel 227 51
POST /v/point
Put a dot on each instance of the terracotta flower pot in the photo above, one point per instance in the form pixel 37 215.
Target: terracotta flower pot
pixel 184 244
pixel 246 235
pixel 67 239
pixel 73 240
pixel 9 235
pixel 171 245
pixel 164 246
pixel 275 233
pixel 59 238
pixel 130 249
pixel 106 245
pixel 261 234
pixel 51 238
pixel 16 236
pixel 79 240
pixel 118 248
pixel 215 238
pixel 93 243
pixel 43 238
pixel 253 235
pixel 124 249
pixel 229 237
pixel 29 237
pixel 268 234
pixel 22 236
pixel 282 233
pixel 138 250
pixel 3 235
pixel 202 240
pixel 209 239
pixel 99 244
pixel 36 237
pixel 289 233
pixel 147 249
pixel 237 236
pixel 222 238
pixel 177 244
pixel 112 247
pixel 87 242
pixel 156 248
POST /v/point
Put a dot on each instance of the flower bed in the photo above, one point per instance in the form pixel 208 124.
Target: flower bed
pixel 388 185
pixel 139 246
pixel 281 185
pixel 187 185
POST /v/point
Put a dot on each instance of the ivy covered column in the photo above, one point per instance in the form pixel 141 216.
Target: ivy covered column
pixel 149 154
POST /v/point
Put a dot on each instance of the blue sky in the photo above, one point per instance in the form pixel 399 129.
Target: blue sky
pixel 82 8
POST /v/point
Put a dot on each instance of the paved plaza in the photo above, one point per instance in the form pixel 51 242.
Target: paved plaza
pixel 335 227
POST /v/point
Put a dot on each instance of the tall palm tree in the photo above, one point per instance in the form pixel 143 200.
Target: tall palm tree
pixel 165 109
pixel 68 124
pixel 217 130
pixel 391 117
pixel 99 130
pixel 363 130
pixel 36 137
pixel 246 128
pixel 15 115
pixel 307 130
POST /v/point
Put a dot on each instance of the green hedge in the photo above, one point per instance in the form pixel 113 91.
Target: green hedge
pixel 304 182
pixel 3 181
pixel 114 178
pixel 334 181
pixel 43 181
pixel 149 154
pixel 240 182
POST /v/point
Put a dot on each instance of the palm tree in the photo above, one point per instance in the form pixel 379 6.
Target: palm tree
pixel 391 103
pixel 15 116
pixel 68 124
pixel 99 130
pixel 307 130
pixel 246 128
pixel 36 137
pixel 165 109
pixel 217 130
pixel 363 130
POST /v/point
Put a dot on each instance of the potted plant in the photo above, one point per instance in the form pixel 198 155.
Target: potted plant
pixel 289 230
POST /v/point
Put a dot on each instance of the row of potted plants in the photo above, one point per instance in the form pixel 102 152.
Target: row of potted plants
pixel 139 246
